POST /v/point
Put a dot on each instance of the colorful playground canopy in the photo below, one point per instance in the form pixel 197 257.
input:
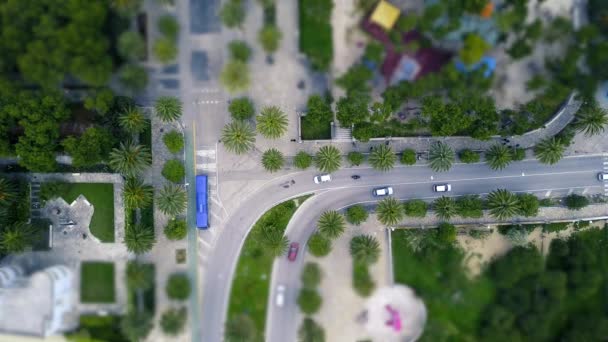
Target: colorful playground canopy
pixel 385 15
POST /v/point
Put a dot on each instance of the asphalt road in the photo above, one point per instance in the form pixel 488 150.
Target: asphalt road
pixel 571 174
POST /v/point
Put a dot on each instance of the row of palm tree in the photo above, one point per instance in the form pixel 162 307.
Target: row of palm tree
pixel 239 137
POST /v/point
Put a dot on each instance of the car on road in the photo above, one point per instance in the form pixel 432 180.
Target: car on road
pixel 602 176
pixel 326 177
pixel 280 299
pixel 385 191
pixel 442 187
pixel 293 251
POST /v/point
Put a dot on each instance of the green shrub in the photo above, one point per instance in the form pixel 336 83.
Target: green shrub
pixel 309 301
pixel 408 157
pixel 169 27
pixel 174 141
pixel 518 154
pixel 319 245
pixel 302 160
pixel 362 280
pixel 165 50
pixel 415 208
pixel 555 227
pixel 446 233
pixel 176 229
pixel 173 321
pixel 356 214
pixel 546 202
pixel 241 108
pixel 239 50
pixel 178 286
pixel 311 275
pixel 174 171
pixel 270 37
pixel 468 156
pixel 355 158
pixel 576 202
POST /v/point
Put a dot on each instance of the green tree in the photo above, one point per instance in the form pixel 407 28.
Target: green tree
pixel 528 205
pixel 130 159
pixel 173 321
pixel 126 7
pixel 174 141
pixel 169 27
pixel 382 158
pixel 503 204
pixel 309 301
pixel 273 240
pixel 311 275
pixel 473 49
pixel 168 108
pixel 319 245
pixel 273 160
pixel 467 156
pixel 331 224
pixel 318 109
pixel 136 194
pixel 591 119
pixel 241 108
pixel 549 150
pixel 91 148
pixel 441 157
pixel 310 331
pixel 498 157
pixel 16 238
pixel 132 120
pixel 576 202
pixel 139 238
pixel 139 276
pixel 131 46
pixel 389 211
pixel 238 137
pixel 176 229
pixel 165 50
pixel 365 249
pixel 100 101
pixel 272 122
pixel 352 110
pixel 172 200
pixel 445 207
pixel 380 112
pixel 240 328
pixel 408 157
pixel 356 214
pixel 302 160
pixel 7 192
pixel 355 80
pixel 133 77
pixel 136 325
pixel 174 171
pixel 270 38
pixel 232 13
pixel 328 159
pixel 446 233
pixel 362 280
pixel 239 50
pixel 178 286
pixel 470 206
pixel 415 208
pixel 235 76
pixel 520 49
pixel 355 158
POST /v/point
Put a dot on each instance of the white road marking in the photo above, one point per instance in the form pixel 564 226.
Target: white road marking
pixel 570 191
pixel 206 153
pixel 585 191
pixel 523 174
pixel 432 177
pixel 548 193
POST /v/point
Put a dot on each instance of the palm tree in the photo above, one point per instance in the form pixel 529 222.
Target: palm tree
pixel 130 159
pixel 238 137
pixel 273 240
pixel 328 159
pixel 172 200
pixel 382 158
pixel 445 207
pixel 272 160
pixel 310 331
pixel 365 249
pixel 139 238
pixel 331 224
pixel 549 150
pixel 389 211
pixel 132 120
pixel 441 157
pixel 16 238
pixel 272 122
pixel 498 157
pixel 7 191
pixel 235 76
pixel 136 194
pixel 168 108
pixel 139 276
pixel 173 321
pixel 591 119
pixel 503 204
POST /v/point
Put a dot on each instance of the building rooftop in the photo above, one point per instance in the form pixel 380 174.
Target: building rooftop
pixel 385 15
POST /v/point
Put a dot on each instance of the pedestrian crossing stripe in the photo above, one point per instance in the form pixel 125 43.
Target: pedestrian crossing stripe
pixel 206 153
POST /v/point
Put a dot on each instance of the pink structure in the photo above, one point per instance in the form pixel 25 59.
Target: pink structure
pixel 394 320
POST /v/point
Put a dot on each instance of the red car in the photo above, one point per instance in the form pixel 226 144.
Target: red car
pixel 293 251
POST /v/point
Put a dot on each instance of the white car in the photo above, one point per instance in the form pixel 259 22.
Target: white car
pixel 386 191
pixel 280 299
pixel 442 187
pixel 326 177
pixel 602 176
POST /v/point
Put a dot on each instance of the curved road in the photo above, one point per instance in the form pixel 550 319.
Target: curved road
pixel 571 174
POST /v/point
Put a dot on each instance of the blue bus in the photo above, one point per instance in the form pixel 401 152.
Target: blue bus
pixel 202 220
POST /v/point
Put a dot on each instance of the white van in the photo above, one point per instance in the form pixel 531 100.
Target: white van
pixel 280 295
pixel 386 191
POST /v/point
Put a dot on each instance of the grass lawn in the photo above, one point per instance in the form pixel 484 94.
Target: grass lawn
pixel 250 284
pixel 315 131
pixel 97 282
pixel 101 196
pixel 316 32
